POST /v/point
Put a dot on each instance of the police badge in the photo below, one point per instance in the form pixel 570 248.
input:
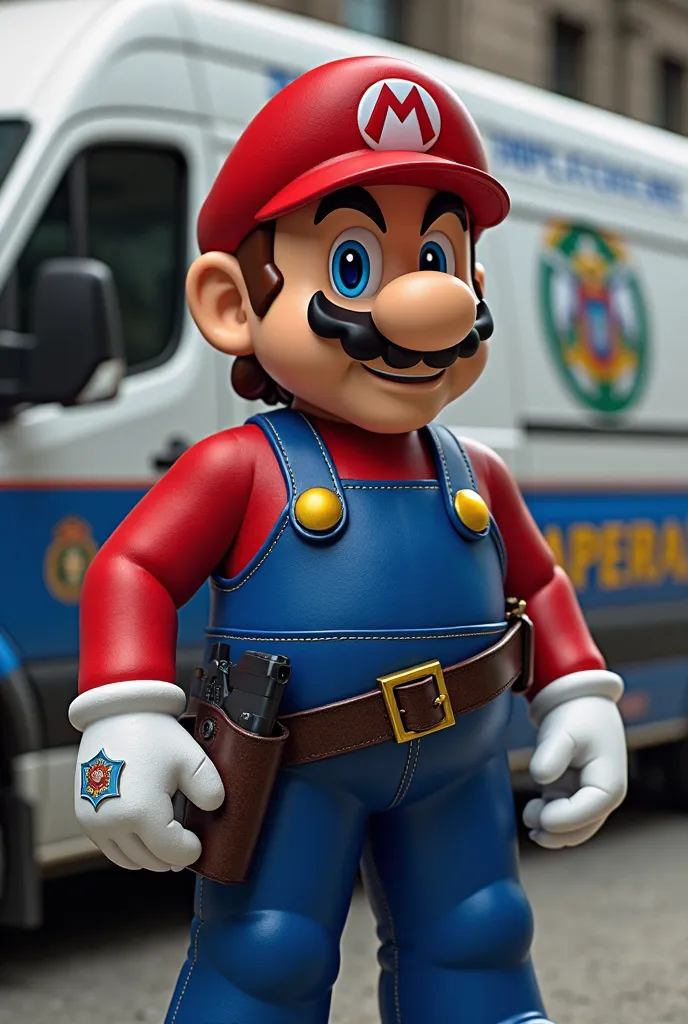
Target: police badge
pixel 100 778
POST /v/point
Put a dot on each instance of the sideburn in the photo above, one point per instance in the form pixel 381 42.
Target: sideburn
pixel 264 282
pixel 255 256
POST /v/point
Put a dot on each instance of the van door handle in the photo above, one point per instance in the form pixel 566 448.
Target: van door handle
pixel 166 458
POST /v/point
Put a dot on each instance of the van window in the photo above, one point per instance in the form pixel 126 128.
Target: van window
pixel 12 135
pixel 124 205
pixel 136 221
pixel 52 239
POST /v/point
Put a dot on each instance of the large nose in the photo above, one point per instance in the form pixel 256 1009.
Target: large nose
pixel 426 311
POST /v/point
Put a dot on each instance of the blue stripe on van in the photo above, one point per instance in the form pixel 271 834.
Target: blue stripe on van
pixel 618 548
pixel 45 533
pixel 656 692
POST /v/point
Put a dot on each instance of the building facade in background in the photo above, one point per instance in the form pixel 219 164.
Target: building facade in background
pixel 630 56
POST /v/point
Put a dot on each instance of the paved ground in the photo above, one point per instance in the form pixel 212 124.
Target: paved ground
pixel 612 947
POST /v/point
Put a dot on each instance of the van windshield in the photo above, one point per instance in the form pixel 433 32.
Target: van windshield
pixel 12 135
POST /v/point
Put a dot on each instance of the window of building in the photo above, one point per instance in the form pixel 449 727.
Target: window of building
pixel 568 58
pixel 671 86
pixel 127 206
pixel 376 17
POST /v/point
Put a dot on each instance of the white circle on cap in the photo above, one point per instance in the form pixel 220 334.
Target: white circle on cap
pixel 397 114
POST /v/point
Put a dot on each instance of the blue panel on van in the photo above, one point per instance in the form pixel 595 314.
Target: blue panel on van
pixel 656 692
pixel 49 536
pixel 8 657
pixel 618 548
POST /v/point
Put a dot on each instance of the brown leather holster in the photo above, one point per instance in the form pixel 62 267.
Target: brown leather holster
pixel 248 766
pixel 406 706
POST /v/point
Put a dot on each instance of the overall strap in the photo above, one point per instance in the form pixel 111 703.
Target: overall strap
pixel 317 506
pixel 460 489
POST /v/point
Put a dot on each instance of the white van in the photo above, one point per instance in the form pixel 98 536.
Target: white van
pixel 115 116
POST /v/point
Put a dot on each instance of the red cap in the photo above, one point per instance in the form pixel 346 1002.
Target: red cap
pixel 362 120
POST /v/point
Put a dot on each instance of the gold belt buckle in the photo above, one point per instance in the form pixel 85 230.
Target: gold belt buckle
pixel 388 685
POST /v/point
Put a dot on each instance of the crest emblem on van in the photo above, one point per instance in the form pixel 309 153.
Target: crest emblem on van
pixel 67 559
pixel 595 316
pixel 397 114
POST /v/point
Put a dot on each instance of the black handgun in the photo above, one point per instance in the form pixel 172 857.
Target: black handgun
pixel 213 685
pixel 249 692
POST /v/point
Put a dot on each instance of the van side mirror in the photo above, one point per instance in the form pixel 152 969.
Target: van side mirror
pixel 79 355
pixel 75 353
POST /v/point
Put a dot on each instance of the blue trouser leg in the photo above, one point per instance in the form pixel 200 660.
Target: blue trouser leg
pixel 455 925
pixel 268 952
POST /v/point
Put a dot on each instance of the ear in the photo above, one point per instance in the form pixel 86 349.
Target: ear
pixel 218 301
pixel 479 276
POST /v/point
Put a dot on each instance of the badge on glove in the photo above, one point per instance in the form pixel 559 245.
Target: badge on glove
pixel 100 778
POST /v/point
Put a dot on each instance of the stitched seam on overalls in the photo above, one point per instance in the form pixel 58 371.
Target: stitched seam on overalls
pixel 392 932
pixel 391 487
pixel 330 639
pixel 413 772
pixel 500 552
pixel 403 778
pixel 495 541
pixel 195 954
pixel 468 465
pixel 284 454
pixel 407 778
pixel 445 468
pixel 471 474
pixel 324 453
pixel 230 590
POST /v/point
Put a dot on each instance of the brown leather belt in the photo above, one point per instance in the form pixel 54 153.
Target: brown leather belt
pixel 413 703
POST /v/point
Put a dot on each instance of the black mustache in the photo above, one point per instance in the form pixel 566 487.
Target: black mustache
pixel 361 339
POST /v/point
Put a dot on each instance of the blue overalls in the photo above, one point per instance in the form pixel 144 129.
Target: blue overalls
pixel 398 581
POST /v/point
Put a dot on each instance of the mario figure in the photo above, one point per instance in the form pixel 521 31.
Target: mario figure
pixel 353 534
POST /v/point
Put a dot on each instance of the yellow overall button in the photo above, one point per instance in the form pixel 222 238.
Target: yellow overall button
pixel 472 510
pixel 318 509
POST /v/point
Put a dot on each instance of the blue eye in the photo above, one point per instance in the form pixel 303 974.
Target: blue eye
pixel 356 263
pixel 350 268
pixel 433 258
pixel 437 253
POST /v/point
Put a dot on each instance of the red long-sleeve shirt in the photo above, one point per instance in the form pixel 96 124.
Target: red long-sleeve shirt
pixel 218 503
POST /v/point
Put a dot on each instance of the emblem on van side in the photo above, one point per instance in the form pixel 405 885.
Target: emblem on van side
pixel 595 316
pixel 396 114
pixel 68 558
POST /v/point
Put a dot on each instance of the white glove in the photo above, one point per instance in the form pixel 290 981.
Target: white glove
pixel 136 722
pixel 580 758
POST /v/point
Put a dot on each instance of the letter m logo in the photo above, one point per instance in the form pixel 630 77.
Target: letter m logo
pixel 397 114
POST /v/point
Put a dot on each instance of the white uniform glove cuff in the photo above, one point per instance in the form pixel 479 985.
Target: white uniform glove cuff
pixel 591 683
pixel 121 698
